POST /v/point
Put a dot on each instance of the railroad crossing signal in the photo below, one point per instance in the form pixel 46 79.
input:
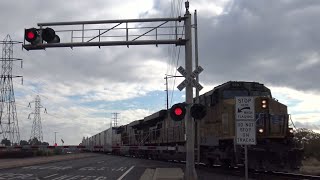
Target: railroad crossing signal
pixel 190 78
pixel 198 111
pixel 32 36
pixel 49 35
pixel 35 36
pixel 178 111
pixel 190 172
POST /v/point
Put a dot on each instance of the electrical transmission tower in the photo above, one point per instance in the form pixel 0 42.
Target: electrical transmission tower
pixel 36 131
pixel 114 119
pixel 8 113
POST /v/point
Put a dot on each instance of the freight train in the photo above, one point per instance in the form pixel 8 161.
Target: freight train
pixel 159 137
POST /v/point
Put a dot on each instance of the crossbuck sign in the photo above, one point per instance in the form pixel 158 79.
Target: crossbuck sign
pixel 190 78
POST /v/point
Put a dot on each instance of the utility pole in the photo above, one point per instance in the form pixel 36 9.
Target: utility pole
pixel 197 79
pixel 190 173
pixel 166 78
pixel 55 138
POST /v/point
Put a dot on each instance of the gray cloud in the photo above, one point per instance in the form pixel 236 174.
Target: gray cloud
pixel 263 42
pixel 273 42
pixel 314 126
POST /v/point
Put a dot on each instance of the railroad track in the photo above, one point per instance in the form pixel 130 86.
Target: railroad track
pixel 253 174
pixel 283 175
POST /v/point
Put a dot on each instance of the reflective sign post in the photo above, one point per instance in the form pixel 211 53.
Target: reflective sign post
pixel 246 161
pixel 245 125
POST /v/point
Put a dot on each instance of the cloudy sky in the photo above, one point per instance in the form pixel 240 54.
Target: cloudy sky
pixel 274 42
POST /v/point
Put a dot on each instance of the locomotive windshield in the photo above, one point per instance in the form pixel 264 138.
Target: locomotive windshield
pixel 231 93
pixel 261 93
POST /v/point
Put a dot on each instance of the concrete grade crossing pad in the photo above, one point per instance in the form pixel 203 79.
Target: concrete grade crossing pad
pixel 163 174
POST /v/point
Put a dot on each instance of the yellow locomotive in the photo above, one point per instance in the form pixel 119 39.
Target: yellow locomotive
pixel 275 147
pixel 159 137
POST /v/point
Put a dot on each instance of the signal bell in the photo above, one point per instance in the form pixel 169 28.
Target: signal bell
pixel 178 111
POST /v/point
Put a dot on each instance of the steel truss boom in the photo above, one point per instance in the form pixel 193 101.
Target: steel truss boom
pixel 109 43
pixel 154 35
pixel 111 21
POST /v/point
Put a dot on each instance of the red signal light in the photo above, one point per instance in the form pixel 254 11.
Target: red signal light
pixel 30 35
pixel 178 111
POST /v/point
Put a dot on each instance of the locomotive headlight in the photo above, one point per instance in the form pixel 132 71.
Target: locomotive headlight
pixel 291 131
pixel 264 103
pixel 260 130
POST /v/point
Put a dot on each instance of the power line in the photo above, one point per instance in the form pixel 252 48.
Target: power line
pixel 176 9
pixel 174 81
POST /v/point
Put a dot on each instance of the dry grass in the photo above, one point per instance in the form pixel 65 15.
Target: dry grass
pixel 310 166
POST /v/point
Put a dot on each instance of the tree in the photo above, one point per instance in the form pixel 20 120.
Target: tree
pixel 34 141
pixel 310 140
pixel 23 142
pixel 45 143
pixel 6 142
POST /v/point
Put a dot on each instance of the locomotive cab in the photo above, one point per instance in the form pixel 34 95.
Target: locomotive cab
pixel 217 129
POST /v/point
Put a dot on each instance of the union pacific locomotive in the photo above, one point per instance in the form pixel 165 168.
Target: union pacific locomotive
pixel 159 137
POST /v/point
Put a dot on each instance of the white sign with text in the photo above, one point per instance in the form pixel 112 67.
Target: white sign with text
pixel 246 132
pixel 244 108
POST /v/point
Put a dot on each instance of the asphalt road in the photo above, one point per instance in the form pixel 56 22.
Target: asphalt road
pixel 101 167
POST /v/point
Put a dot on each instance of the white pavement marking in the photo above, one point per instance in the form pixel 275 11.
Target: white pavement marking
pixel 121 169
pixel 48 167
pixel 14 176
pixel 87 169
pixel 101 178
pixel 125 173
pixel 61 177
pixel 51 175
